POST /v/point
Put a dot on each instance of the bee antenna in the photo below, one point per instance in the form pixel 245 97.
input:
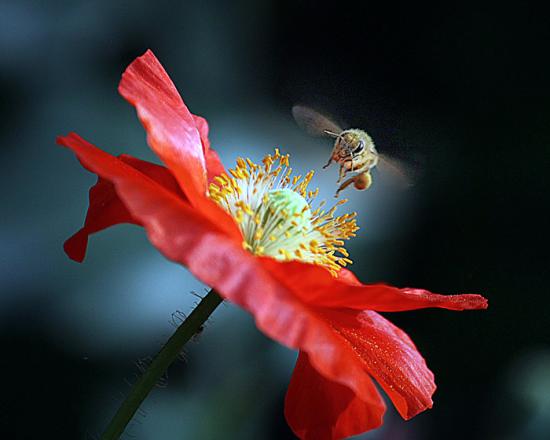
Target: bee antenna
pixel 331 133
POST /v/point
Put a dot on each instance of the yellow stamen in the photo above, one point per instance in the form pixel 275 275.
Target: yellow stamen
pixel 273 211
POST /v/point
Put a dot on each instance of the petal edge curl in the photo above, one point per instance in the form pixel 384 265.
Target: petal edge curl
pixel 214 165
pixel 389 356
pixel 106 209
pixel 320 409
pixel 170 127
pixel 317 287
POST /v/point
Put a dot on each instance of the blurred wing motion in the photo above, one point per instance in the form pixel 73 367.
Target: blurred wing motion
pixel 315 123
pixel 399 174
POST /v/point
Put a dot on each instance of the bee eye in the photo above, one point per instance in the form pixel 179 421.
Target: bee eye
pixel 359 147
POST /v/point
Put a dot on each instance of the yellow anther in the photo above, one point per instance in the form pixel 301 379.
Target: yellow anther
pixel 220 180
pixel 241 162
pixel 235 173
pixel 285 254
pixel 343 251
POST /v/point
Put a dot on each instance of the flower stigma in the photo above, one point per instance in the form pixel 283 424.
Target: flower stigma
pixel 274 211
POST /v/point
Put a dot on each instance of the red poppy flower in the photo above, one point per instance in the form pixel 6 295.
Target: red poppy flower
pixel 252 236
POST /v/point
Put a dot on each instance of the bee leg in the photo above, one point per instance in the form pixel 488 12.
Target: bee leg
pixel 328 163
pixel 360 181
pixel 345 185
pixel 343 173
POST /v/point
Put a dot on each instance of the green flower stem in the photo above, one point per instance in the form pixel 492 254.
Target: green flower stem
pixel 160 364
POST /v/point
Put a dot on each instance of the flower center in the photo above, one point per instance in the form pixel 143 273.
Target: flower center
pixel 273 210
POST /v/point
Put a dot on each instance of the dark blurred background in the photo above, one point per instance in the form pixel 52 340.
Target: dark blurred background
pixel 460 92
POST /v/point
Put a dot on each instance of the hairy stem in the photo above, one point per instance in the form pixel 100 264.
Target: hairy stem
pixel 160 364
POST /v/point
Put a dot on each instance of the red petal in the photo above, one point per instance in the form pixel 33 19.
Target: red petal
pixel 171 130
pixel 319 409
pixel 316 286
pixel 106 209
pixel 213 253
pixel 214 165
pixel 120 174
pixel 389 356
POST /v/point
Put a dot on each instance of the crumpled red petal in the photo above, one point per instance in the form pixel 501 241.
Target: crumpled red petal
pixel 106 209
pixel 95 159
pixel 214 165
pixel 315 286
pixel 390 356
pixel 320 409
pixel 171 129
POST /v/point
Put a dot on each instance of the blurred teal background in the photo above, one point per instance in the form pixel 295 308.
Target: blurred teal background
pixel 460 92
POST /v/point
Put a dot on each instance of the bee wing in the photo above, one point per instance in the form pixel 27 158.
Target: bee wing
pixel 314 123
pixel 399 173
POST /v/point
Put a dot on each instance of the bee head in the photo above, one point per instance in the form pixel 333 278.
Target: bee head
pixel 351 144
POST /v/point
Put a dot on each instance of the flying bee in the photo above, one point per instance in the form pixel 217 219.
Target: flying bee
pixel 353 150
